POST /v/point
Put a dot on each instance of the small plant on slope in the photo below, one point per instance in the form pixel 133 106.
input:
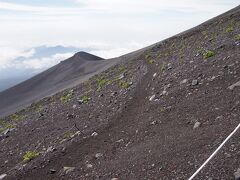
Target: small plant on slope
pixel 66 97
pixel 16 117
pixel 30 155
pixel 208 54
pixel 124 84
pixel 237 37
pixel 6 126
pixel 101 83
pixel 85 99
pixel 229 29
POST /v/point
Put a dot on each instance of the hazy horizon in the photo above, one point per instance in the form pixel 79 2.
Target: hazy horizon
pixel 102 28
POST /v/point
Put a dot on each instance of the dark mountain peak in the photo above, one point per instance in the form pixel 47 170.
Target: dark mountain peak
pixel 86 56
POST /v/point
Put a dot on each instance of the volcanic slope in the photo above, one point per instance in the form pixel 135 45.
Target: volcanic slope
pixel 157 115
pixel 64 75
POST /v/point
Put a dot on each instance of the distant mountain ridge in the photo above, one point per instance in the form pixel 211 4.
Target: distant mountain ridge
pixel 61 76
pixel 19 69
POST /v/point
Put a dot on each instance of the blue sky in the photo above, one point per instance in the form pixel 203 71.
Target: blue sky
pixel 107 28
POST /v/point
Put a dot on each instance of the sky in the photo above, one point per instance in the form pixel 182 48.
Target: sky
pixel 107 28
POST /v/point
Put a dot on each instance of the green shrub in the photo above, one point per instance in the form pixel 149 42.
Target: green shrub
pixel 16 117
pixel 85 99
pixel 124 84
pixel 151 61
pixel 101 83
pixel 229 29
pixel 237 37
pixel 39 108
pixel 1 122
pixel 147 56
pixel 66 97
pixel 30 155
pixel 6 126
pixel 122 68
pixel 68 135
pixel 208 54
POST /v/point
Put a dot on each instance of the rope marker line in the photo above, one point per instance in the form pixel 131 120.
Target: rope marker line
pixel 215 152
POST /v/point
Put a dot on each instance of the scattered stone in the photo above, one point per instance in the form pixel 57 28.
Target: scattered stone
pixel 80 102
pixel 67 170
pixel 236 174
pixel 121 77
pixel 2 176
pixel 152 98
pixel 219 117
pixel 196 125
pixel 51 149
pixel 169 66
pixel 194 82
pixel 184 81
pixel 154 75
pixel 52 171
pixel 74 106
pixel 98 155
pixel 41 114
pixel 6 131
pixel 94 134
pixel 114 93
pixel 114 179
pixel 164 92
pixel 89 165
pixel 120 140
pixel 234 85
pixel 154 122
pixel 71 116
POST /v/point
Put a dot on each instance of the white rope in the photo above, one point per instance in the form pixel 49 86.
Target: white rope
pixel 215 152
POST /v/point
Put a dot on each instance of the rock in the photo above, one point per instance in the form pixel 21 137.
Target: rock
pixel 114 93
pixel 194 82
pixel 169 66
pixel 94 134
pixel 80 101
pixel 154 122
pixel 114 179
pixel 2 176
pixel 152 98
pixel 236 174
pixel 52 171
pixel 120 140
pixel 196 125
pixel 71 116
pixel 74 106
pixel 51 149
pixel 184 81
pixel 121 77
pixel 164 92
pixel 67 170
pixel 6 131
pixel 98 155
pixel 89 165
pixel 234 85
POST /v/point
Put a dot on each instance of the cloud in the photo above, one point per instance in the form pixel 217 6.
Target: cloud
pixel 22 59
pixel 111 51
pixel 123 6
pixel 108 27
pixel 43 63
pixel 142 6
pixel 7 55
